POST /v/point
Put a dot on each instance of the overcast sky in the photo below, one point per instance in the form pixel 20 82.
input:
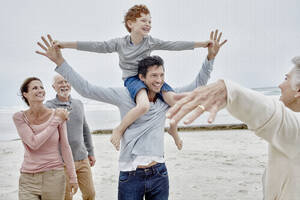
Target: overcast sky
pixel 262 36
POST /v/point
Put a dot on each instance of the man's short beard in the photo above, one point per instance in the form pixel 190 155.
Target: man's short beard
pixel 64 94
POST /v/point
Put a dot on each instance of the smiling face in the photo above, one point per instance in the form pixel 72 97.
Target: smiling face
pixel 154 79
pixel 288 95
pixel 62 87
pixel 141 26
pixel 36 92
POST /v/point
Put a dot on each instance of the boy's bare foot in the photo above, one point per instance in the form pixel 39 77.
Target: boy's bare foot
pixel 116 138
pixel 179 143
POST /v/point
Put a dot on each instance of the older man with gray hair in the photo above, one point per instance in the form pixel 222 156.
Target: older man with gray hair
pixel 79 137
pixel 277 122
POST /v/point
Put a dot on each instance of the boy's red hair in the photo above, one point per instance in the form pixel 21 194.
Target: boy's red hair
pixel 133 13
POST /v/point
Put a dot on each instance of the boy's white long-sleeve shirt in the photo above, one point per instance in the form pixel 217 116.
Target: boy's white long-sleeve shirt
pixel 271 120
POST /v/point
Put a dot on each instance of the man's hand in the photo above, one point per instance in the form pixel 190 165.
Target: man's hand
pixel 92 160
pixel 51 51
pixel 210 98
pixel 214 49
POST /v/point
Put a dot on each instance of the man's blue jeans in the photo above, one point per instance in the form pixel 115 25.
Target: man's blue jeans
pixel 152 182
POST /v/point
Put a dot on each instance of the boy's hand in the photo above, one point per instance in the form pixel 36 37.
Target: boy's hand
pixel 51 51
pixel 214 49
pixel 58 44
pixel 208 43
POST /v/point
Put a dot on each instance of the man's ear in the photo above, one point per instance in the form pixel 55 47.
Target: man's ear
pixel 141 77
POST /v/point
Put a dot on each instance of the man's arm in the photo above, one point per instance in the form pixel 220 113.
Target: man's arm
pixel 82 86
pixel 85 89
pixel 201 78
pixel 88 138
pixel 207 67
pixel 88 142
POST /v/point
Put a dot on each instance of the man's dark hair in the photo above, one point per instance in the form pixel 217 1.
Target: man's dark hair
pixel 147 62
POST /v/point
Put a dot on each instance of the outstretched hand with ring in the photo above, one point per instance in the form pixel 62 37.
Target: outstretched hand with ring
pixel 210 98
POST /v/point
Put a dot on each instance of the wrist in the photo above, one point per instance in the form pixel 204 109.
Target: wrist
pixel 62 45
pixel 199 44
pixel 222 88
pixel 69 45
pixel 59 61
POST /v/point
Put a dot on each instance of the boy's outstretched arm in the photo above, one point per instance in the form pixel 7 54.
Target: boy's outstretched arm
pixel 211 42
pixel 67 45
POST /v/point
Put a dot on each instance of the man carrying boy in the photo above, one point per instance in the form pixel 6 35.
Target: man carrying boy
pixel 131 49
pixel 142 164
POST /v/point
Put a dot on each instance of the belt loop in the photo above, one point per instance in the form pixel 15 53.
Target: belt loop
pixel 155 170
pixel 132 173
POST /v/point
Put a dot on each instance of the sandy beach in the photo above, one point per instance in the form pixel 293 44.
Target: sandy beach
pixel 222 165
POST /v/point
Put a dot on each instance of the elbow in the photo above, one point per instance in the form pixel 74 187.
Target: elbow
pixel 34 146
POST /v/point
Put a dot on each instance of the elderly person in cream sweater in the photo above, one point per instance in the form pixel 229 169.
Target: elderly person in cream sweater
pixel 277 122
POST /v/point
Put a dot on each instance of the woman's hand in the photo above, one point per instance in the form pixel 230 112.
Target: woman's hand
pixel 73 188
pixel 63 114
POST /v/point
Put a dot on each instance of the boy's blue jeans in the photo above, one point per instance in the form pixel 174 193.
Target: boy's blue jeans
pixel 151 183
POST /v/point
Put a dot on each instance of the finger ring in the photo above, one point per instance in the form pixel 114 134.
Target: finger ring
pixel 201 107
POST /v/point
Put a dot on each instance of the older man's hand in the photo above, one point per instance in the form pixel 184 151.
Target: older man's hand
pixel 92 160
pixel 210 98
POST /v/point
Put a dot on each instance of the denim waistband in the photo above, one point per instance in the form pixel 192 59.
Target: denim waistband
pixel 147 171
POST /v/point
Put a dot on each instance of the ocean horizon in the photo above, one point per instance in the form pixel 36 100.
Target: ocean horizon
pixel 105 116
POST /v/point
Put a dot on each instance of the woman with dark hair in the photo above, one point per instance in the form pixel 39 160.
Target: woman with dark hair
pixel 43 133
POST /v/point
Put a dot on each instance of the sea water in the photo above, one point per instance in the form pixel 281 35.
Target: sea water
pixel 105 116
